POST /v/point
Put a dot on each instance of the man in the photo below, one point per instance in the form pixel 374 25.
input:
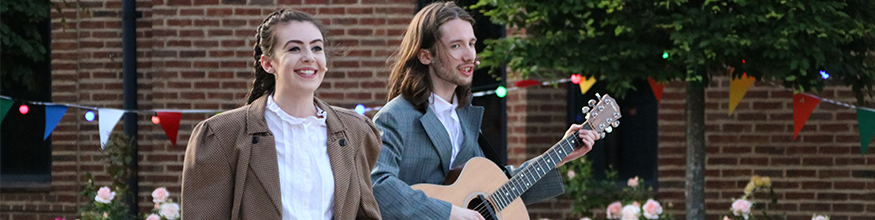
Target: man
pixel 429 125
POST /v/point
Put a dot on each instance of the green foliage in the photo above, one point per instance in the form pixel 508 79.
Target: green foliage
pixel 622 40
pixel 116 152
pixel 591 194
pixel 22 43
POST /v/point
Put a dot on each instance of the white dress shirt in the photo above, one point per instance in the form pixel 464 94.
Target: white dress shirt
pixel 306 179
pixel 446 113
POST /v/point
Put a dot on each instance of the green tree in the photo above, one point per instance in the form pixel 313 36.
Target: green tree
pixel 22 43
pixel 619 41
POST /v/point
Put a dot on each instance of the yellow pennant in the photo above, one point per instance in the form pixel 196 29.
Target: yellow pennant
pixel 737 89
pixel 586 83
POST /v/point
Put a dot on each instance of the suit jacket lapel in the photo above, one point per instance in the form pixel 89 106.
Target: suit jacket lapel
pixel 470 119
pixel 263 157
pixel 342 159
pixel 439 137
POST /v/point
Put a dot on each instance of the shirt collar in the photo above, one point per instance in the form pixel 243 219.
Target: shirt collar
pixel 438 104
pixel 273 107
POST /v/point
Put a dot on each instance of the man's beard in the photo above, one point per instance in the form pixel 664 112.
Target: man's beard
pixel 448 74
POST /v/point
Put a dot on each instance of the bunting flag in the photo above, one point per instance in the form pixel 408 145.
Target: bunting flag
pixel 54 113
pixel 803 105
pixel 657 88
pixel 107 120
pixel 586 84
pixel 170 124
pixel 5 105
pixel 866 124
pixel 525 83
pixel 737 90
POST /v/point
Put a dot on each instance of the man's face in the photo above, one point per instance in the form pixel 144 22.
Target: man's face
pixel 454 61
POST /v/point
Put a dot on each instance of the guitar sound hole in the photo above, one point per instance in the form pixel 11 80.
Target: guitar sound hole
pixel 483 206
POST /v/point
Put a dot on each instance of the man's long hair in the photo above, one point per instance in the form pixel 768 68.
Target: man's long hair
pixel 409 77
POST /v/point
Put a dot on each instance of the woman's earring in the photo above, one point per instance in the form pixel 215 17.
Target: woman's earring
pixel 324 69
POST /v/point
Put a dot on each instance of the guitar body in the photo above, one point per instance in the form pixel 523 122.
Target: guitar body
pixel 479 176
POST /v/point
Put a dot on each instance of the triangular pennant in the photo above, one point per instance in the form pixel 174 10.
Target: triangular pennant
pixel 803 105
pixel 586 83
pixel 170 124
pixel 737 89
pixel 107 120
pixel 657 88
pixel 54 113
pixel 525 83
pixel 866 124
pixel 5 105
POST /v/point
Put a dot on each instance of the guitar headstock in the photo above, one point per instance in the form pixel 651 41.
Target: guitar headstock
pixel 602 115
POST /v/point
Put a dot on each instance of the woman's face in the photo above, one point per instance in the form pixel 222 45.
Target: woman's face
pixel 298 60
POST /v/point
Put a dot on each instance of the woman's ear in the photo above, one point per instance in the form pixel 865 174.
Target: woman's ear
pixel 267 65
pixel 425 56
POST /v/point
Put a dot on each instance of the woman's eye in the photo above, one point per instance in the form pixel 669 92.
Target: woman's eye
pixel 471 44
pixel 317 48
pixel 454 46
pixel 293 49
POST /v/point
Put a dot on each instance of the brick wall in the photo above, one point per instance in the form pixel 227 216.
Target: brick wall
pixel 196 54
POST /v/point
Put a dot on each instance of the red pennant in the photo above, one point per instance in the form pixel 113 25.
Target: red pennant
pixel 803 105
pixel 657 88
pixel 525 83
pixel 170 124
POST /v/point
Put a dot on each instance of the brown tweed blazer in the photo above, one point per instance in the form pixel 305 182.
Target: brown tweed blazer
pixel 231 169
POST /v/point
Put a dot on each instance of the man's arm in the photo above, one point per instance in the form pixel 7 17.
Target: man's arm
pixel 395 197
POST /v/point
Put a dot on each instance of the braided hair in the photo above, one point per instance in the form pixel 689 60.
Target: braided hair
pixel 265 83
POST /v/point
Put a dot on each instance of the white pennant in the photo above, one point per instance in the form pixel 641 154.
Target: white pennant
pixel 108 118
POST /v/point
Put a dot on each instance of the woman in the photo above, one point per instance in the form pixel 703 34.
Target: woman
pixel 285 155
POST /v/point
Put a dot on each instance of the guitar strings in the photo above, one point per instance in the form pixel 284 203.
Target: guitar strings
pixel 484 211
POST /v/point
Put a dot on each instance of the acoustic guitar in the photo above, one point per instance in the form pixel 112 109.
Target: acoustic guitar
pixel 480 185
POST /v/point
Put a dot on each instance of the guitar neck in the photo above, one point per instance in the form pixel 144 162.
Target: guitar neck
pixel 540 166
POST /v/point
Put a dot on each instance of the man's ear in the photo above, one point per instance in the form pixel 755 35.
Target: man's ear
pixel 425 56
pixel 266 64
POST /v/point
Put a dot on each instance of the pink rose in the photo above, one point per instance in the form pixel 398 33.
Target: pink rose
pixel 169 211
pixel 585 218
pixel 571 174
pixel 636 204
pixel 104 195
pixel 819 217
pixel 726 218
pixel 631 212
pixel 741 207
pixel 652 209
pixel 153 217
pixel 160 195
pixel 614 210
pixel 633 182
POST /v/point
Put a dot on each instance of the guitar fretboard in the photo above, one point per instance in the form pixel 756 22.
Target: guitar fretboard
pixel 528 176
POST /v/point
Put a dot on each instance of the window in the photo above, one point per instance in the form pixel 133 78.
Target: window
pixel 631 149
pixel 25 158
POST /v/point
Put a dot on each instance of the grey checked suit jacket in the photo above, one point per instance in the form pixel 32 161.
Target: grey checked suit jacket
pixel 417 149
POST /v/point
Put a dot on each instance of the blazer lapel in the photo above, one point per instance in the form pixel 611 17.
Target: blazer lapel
pixel 263 157
pixel 341 157
pixel 438 136
pixel 470 119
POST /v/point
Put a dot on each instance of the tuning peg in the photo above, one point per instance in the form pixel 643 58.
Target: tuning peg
pixel 602 135
pixel 609 129
pixel 598 96
pixel 615 124
pixel 591 103
pixel 585 109
pixel 616 115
